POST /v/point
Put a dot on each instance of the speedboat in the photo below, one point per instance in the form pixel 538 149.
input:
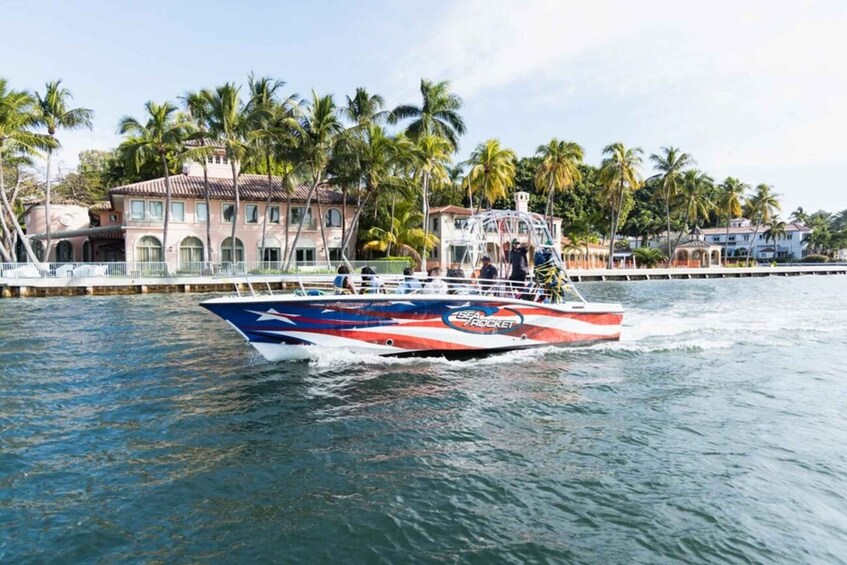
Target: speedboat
pixel 472 316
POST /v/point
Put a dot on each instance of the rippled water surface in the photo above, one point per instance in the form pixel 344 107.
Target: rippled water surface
pixel 716 431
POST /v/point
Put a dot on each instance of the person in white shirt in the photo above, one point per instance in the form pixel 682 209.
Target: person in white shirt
pixel 435 285
pixel 371 283
pixel 410 284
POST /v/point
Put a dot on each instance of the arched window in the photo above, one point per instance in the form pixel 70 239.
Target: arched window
pixel 64 252
pixel 190 253
pixel 37 248
pixel 148 250
pixel 333 218
pixel 86 251
pixel 226 251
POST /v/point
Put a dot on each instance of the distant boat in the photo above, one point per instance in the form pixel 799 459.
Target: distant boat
pixel 473 316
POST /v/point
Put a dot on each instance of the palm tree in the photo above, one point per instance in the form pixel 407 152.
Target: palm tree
pixel 18 117
pixel 317 134
pixel 231 122
pixel 161 134
pixel 619 174
pixel 492 171
pixel 694 199
pixel 729 203
pixel 364 109
pixel 648 256
pixel 403 233
pixel 432 153
pixel 839 220
pixel 799 216
pixel 694 196
pixel 54 114
pixel 775 231
pixel 437 115
pixel 670 166
pixel 558 170
pixel 196 104
pixel 762 206
pixel 373 161
pixel 273 136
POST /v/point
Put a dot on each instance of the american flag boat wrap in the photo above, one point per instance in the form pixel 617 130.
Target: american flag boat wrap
pixel 398 325
pixel 474 315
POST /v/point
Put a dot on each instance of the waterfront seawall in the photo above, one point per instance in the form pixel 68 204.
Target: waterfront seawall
pixel 104 286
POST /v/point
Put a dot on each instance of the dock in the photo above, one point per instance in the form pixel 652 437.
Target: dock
pixel 106 286
pixel 594 275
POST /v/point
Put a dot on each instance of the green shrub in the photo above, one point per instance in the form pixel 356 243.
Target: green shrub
pixel 648 256
pixel 815 259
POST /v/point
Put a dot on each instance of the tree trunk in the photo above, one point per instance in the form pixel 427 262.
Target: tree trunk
pixel 287 222
pixel 391 224
pixel 548 211
pixel 27 247
pixel 753 241
pixel 208 214
pixel 267 208
pixel 679 237
pixel 48 241
pixel 615 220
pixel 306 208
pixel 726 242
pixel 233 257
pixel 425 217
pixel 479 201
pixel 167 212
pixel 343 219
pixel 610 262
pixel 668 216
pixel 321 224
pixel 360 206
pixel 8 240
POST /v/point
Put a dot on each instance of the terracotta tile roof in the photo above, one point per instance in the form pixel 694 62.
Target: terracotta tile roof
pixel 252 188
pixel 454 210
pixel 102 206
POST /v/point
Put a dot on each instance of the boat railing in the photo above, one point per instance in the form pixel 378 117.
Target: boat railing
pixel 318 285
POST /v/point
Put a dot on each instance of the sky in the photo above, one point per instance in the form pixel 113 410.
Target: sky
pixel 753 89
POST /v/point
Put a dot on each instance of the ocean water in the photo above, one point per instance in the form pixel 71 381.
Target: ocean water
pixel 143 429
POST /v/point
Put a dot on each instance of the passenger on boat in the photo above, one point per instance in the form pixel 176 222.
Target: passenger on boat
pixel 371 283
pixel 518 261
pixel 487 274
pixel 343 283
pixel 456 281
pixel 410 284
pixel 435 284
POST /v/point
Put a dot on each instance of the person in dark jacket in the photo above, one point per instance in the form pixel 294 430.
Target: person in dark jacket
pixel 518 260
pixel 487 273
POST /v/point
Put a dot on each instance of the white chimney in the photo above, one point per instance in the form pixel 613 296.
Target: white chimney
pixel 522 201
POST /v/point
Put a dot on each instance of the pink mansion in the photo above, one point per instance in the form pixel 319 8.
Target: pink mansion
pixel 129 226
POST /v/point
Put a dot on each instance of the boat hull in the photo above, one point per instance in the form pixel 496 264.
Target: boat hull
pixel 293 327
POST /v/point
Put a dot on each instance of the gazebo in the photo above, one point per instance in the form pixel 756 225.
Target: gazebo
pixel 697 252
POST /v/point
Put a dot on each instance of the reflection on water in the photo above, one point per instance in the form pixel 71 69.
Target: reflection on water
pixel 142 427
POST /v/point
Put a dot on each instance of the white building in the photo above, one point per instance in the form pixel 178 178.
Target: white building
pixel 447 222
pixel 742 232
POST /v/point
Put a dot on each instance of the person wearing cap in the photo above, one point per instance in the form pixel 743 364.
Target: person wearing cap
pixel 518 260
pixel 487 273
pixel 410 284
